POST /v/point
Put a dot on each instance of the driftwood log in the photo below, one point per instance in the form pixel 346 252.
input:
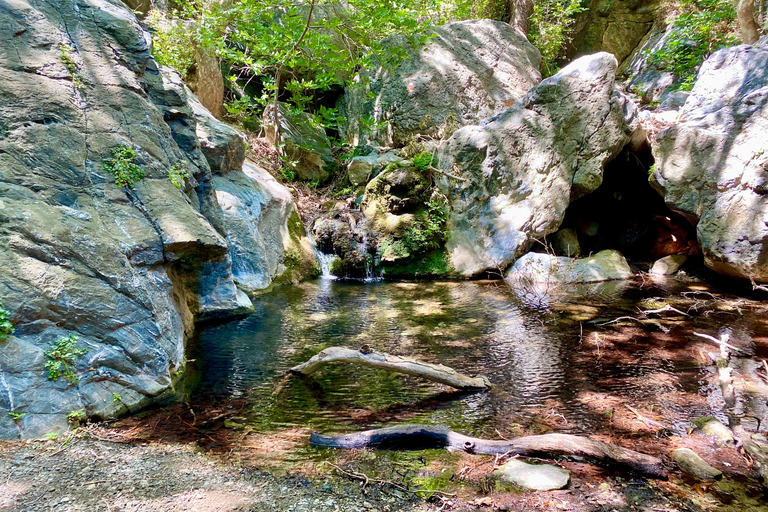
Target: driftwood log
pixel 367 357
pixel 415 437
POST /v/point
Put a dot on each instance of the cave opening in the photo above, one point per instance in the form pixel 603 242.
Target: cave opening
pixel 625 213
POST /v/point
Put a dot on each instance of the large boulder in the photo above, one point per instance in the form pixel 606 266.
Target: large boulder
pixel 713 166
pixel 546 268
pixel 266 237
pixel 222 145
pixel 466 72
pixel 509 179
pixel 125 270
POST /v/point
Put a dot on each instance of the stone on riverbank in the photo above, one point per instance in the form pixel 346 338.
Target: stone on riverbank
pixel 539 477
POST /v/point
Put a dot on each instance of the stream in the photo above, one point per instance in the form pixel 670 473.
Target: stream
pixel 560 362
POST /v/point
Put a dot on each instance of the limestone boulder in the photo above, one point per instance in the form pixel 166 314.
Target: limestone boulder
pixel 713 166
pixel 362 169
pixel 539 477
pixel 513 176
pixel 534 267
pixel 467 71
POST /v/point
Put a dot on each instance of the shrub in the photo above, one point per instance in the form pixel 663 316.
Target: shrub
pixel 122 166
pixel 550 29
pixel 61 358
pixel 76 417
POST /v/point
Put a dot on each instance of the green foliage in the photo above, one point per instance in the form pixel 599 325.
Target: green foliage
pixel 172 39
pixel 116 397
pixel 178 173
pixel 76 417
pixel 550 29
pixel 122 166
pixel 60 359
pixel 16 416
pixel 6 327
pixel 65 54
pixel 704 27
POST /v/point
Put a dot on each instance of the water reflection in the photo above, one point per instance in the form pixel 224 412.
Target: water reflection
pixel 552 369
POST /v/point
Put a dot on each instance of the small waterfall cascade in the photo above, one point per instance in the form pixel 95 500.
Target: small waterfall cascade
pixel 324 260
pixel 370 269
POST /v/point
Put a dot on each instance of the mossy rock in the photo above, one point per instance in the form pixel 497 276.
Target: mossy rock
pixel 299 261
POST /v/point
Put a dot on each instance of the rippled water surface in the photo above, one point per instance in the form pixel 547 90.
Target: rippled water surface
pixel 559 365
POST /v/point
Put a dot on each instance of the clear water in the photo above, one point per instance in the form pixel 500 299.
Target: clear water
pixel 552 364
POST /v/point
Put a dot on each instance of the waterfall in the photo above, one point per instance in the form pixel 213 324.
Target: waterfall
pixel 325 264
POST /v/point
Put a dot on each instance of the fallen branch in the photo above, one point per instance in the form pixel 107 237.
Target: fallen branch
pixel 418 437
pixel 367 357
pixel 722 343
pixel 648 422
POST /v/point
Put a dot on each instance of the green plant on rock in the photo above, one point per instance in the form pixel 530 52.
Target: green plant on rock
pixel 704 27
pixel 178 173
pixel 123 167
pixel 76 417
pixel 423 161
pixel 60 359
pixel 6 327
pixel 116 397
pixel 16 416
pixel 65 54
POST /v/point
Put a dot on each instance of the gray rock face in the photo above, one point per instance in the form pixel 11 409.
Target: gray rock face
pixel 539 477
pixel 260 219
pixel 519 171
pixel 222 145
pixel 713 166
pixel 468 71
pixel 362 169
pixel 122 269
pixel 544 268
pixel 306 145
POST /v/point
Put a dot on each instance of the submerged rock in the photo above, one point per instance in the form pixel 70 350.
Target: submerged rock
pixel 690 462
pixel 467 71
pixel 539 477
pixel 515 174
pixel 713 166
pixel 545 268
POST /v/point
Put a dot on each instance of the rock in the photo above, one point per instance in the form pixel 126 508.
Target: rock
pixel 668 265
pixel 466 72
pixel 126 270
pixel 711 426
pixel 689 462
pixel 565 242
pixel 545 268
pixel 222 145
pixel 712 167
pixel 265 235
pixel 362 169
pixel 644 78
pixel 306 146
pixel 613 27
pixel 340 232
pixel 519 171
pixel 539 477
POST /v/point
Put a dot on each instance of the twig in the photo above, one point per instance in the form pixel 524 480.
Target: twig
pixel 756 286
pixel 648 422
pixel 661 310
pixel 722 343
pixel 449 175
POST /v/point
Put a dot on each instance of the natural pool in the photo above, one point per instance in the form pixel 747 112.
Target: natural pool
pixel 560 364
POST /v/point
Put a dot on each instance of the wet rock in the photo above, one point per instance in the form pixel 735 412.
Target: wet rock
pixel 689 462
pixel 712 166
pixel 306 146
pixel 711 426
pixel 539 477
pixel 468 71
pixel 668 265
pixel 519 171
pixel 545 268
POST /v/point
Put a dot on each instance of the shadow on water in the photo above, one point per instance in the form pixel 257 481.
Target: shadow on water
pixel 564 366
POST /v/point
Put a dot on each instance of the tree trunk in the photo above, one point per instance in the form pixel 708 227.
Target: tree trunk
pixel 748 25
pixel 520 15
pixel 419 437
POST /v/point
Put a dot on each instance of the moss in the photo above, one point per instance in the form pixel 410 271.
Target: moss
pixel 299 260
pixel 433 264
pixel 423 161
